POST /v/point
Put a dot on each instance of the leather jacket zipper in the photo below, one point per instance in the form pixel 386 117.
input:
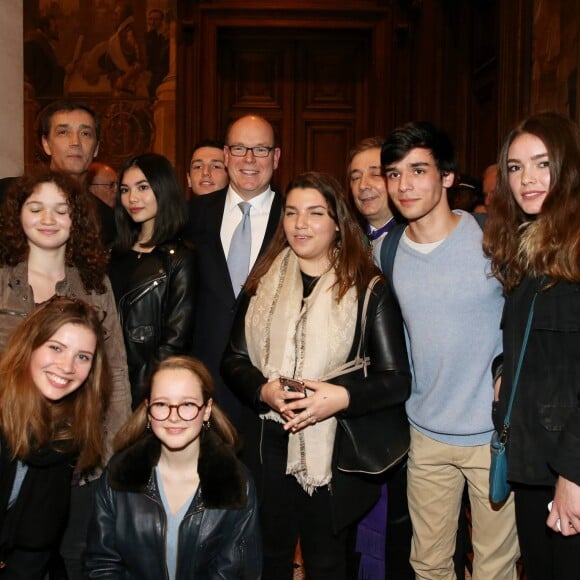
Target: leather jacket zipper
pixel 198 509
pixel 163 531
pixel 150 286
pixel 146 288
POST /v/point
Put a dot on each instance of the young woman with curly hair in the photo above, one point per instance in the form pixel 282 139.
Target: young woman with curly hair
pixel 54 388
pixel 50 245
pixel 299 317
pixel 533 239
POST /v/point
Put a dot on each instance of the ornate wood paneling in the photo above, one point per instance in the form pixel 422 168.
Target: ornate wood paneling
pixel 304 83
pixel 463 65
pixel 556 57
pixel 327 146
pixel 318 71
pixel 515 59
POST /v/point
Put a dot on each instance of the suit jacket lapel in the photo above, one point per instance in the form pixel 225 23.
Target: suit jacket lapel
pixel 215 216
pixel 273 221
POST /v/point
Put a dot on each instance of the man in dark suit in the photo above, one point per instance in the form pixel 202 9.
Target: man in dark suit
pixel 251 156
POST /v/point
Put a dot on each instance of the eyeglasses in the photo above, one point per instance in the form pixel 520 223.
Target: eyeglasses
pixel 242 150
pixel 187 411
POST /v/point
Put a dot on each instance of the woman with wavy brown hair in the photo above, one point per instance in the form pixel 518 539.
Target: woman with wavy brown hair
pixel 533 239
pixel 54 388
pixel 50 245
pixel 298 323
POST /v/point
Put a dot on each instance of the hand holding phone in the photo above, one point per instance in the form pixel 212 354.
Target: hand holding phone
pixel 293 385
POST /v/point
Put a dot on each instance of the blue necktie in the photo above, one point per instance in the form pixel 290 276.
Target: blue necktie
pixel 240 247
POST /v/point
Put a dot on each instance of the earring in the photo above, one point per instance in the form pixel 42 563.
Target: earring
pixel 206 425
pixel 148 425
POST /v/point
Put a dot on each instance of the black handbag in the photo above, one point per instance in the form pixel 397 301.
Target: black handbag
pixel 374 442
pixel 499 486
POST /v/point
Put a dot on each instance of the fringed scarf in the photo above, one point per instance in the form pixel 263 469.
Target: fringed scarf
pixel 288 335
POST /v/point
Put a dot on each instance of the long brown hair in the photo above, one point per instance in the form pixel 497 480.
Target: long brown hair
pixel 350 258
pixel 136 425
pixel 548 245
pixel 84 249
pixel 28 420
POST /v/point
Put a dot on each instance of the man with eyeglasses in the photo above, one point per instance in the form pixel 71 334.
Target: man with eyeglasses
pixel 230 229
pixel 102 179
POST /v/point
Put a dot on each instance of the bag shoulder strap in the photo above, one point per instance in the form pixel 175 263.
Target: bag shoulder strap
pixel 363 316
pixel 389 248
pixel 390 244
pixel 480 218
pixel 506 422
pixel 360 361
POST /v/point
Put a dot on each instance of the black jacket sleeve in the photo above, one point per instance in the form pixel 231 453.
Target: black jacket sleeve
pixel 238 372
pixel 388 381
pixel 179 310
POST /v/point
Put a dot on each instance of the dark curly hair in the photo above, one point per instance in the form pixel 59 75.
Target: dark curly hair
pixel 84 249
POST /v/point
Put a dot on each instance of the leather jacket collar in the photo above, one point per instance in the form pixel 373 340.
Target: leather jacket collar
pixel 222 483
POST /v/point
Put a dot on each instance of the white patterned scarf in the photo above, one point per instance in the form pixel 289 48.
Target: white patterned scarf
pixel 288 335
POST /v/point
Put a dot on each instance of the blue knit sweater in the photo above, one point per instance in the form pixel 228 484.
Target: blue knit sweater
pixel 452 310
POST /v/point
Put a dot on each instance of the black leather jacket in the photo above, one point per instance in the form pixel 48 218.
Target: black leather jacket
pixel 156 308
pixel 388 384
pixel 219 537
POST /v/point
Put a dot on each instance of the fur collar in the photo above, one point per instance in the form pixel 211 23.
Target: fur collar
pixel 222 477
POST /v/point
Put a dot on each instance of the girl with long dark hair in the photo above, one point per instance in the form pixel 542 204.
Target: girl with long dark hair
pixel 532 237
pixel 151 270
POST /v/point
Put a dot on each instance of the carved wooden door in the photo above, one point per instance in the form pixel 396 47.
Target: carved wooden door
pixel 312 85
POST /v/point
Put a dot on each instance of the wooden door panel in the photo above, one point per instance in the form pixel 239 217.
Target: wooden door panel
pixel 332 73
pixel 251 78
pixel 309 83
pixel 327 144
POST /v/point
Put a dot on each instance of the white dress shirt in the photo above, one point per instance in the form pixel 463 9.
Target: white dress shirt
pixel 259 215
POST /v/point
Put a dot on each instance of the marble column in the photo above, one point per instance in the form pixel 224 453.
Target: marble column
pixel 12 101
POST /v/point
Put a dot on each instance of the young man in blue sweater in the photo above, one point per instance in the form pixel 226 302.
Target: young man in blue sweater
pixel 452 308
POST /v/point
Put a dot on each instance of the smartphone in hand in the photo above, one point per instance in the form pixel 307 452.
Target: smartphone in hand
pixel 293 385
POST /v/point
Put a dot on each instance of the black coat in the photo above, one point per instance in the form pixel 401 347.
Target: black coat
pixel 544 438
pixel 156 308
pixel 388 384
pixel 35 522
pixel 218 538
pixel 216 304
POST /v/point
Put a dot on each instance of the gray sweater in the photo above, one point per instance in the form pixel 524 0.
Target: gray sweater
pixel 452 309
